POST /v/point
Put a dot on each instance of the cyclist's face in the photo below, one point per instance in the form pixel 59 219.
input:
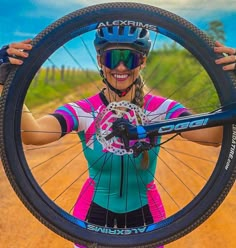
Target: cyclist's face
pixel 121 66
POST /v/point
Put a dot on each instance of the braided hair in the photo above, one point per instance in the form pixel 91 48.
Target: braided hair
pixel 139 101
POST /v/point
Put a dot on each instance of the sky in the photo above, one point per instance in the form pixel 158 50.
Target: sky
pixel 22 19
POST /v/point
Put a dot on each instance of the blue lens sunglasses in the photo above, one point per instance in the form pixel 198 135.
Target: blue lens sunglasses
pixel 112 58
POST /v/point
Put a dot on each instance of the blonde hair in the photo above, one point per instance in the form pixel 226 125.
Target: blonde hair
pixel 139 101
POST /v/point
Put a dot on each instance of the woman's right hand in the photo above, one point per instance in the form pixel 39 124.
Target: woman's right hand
pixel 13 54
pixel 18 50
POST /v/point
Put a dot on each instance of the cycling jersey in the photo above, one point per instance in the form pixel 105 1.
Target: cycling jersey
pixel 117 183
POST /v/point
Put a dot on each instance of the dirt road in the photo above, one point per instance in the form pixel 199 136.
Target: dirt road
pixel 18 228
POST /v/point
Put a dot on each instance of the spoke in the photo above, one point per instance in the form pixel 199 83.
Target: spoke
pixel 173 172
pixel 58 154
pixel 163 187
pixel 80 176
pixel 183 163
pixel 67 164
pixel 138 184
pixel 106 159
pixel 98 173
pixel 190 155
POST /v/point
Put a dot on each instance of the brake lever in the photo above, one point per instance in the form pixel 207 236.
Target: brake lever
pixel 140 147
pixel 120 129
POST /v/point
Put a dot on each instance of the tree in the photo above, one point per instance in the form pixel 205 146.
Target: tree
pixel 216 31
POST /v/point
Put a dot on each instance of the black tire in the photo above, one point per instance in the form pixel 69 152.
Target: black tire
pixel 15 164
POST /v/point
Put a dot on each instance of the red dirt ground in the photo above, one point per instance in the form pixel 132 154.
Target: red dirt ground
pixel 18 228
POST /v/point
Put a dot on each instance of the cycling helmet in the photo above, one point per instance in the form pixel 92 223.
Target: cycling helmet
pixel 137 38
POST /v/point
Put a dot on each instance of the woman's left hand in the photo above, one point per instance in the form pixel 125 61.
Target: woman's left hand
pixel 228 62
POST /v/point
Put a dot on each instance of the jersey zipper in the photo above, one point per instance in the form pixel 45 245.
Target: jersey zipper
pixel 121 176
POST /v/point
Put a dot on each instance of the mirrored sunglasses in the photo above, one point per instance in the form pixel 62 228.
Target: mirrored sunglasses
pixel 112 58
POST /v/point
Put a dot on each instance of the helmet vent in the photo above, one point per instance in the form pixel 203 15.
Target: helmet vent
pixel 101 33
pixel 110 30
pixel 132 30
pixel 121 30
pixel 143 33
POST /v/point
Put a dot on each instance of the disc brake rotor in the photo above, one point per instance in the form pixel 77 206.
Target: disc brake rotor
pixel 109 115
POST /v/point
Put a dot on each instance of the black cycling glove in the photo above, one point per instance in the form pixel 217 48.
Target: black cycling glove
pixel 3 55
pixel 5 65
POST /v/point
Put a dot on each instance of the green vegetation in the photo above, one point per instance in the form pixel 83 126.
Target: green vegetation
pixel 176 74
pixel 216 31
pixel 50 85
pixel 172 71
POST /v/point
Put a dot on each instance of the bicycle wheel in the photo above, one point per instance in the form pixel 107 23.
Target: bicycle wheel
pixel 42 185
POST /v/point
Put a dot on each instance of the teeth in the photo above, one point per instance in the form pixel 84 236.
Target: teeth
pixel 119 76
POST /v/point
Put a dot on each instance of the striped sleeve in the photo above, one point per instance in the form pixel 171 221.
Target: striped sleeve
pixel 70 116
pixel 175 110
pixel 160 108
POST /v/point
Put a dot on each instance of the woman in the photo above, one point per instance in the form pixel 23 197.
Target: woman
pixel 132 198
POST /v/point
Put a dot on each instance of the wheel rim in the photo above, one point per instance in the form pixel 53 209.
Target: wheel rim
pixel 72 224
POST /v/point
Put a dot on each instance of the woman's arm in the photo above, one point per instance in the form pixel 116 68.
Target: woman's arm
pixel 39 131
pixel 208 136
pixel 34 131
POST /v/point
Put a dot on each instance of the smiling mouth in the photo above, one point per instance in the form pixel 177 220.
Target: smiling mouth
pixel 120 77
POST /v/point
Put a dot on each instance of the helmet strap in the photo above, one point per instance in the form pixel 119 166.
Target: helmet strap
pixel 120 93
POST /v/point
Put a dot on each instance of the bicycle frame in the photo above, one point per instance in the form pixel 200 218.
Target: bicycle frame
pixel 127 131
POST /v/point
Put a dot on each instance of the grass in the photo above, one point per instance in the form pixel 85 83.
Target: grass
pixel 45 88
pixel 178 75
pixel 174 73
